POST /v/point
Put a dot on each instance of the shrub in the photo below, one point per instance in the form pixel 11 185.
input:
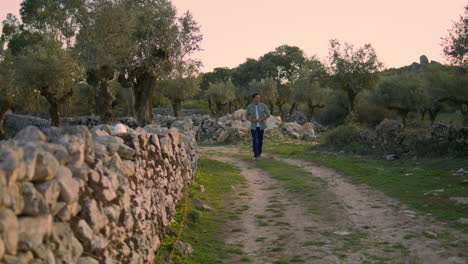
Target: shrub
pixel 343 137
pixel 371 115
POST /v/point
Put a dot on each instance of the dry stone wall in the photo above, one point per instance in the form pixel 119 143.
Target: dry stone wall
pixel 69 195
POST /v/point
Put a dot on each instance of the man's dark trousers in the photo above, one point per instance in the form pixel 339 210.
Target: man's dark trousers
pixel 257 141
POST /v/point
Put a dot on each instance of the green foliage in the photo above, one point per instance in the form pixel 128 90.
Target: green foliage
pixel 267 88
pixel 46 67
pixel 216 76
pixel 456 43
pixel 371 115
pixel 344 137
pixel 178 90
pixel 219 96
pixel 353 71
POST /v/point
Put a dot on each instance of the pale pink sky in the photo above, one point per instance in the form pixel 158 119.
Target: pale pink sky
pixel 400 30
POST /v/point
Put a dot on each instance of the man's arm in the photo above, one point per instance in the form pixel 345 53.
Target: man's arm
pixel 266 112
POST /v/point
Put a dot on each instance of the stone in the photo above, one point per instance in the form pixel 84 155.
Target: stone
pixel 166 145
pixel 456 260
pixel 293 129
pixel 392 157
pixel 201 205
pixel 119 129
pixel 11 162
pixel 87 260
pixel 126 152
pixel 2 249
pixel 459 200
pixel 423 60
pixel 30 133
pixel 184 248
pixel 98 244
pixel 430 234
pixel 341 233
pixel 68 249
pixel 202 188
pixel 461 172
pixel 46 167
pixel 34 202
pixel 75 146
pixel 83 232
pixel 9 230
pixel 32 231
pixel 31 151
pixel 308 130
pixel 57 150
pixel 68 211
pixel 94 216
pixel 463 221
pixel 50 190
pixel 15 199
pixel 4 197
pixel 69 188
pixel 240 114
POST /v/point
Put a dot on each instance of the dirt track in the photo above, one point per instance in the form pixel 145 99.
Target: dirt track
pixel 355 223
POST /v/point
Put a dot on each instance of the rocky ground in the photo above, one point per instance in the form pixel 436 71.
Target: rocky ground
pixel 354 223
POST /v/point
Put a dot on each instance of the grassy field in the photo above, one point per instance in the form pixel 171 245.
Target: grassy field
pixel 201 228
pixel 407 180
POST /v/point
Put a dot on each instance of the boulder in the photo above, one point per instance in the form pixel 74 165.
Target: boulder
pixel 309 132
pixel 240 114
pixel 293 130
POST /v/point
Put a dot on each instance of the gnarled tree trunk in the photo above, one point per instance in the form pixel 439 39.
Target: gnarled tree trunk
pixel 143 91
pixel 4 105
pixel 55 104
pixel 104 101
pixel 176 107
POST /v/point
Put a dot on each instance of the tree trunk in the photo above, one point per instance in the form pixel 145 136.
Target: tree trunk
pixel 54 112
pixel 280 108
pixel 423 114
pixel 210 105
pixel 104 101
pixel 293 108
pixel 272 108
pixel 351 99
pixel 4 105
pixel 464 112
pixel 2 132
pixel 176 107
pixel 143 91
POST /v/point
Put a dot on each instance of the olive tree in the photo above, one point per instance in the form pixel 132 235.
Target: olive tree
pixel 353 70
pixel 220 96
pixel 104 44
pixel 47 69
pixel 267 88
pixel 456 43
pixel 402 93
pixel 179 89
pixel 163 41
pixel 8 90
pixel 310 87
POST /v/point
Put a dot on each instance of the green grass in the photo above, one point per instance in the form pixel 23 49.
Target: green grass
pixel 297 181
pixel 406 180
pixel 203 235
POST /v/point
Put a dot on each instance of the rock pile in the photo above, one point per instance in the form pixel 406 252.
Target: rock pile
pixel 71 195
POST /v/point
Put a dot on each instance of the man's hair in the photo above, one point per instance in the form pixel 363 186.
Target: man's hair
pixel 254 95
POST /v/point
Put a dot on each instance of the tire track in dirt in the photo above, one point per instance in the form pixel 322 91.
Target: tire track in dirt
pixel 356 224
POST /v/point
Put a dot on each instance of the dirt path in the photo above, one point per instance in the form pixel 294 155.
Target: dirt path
pixel 355 223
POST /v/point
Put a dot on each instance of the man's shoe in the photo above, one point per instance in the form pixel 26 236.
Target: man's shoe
pixel 255 158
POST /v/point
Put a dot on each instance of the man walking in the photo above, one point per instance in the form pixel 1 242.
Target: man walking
pixel 257 113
